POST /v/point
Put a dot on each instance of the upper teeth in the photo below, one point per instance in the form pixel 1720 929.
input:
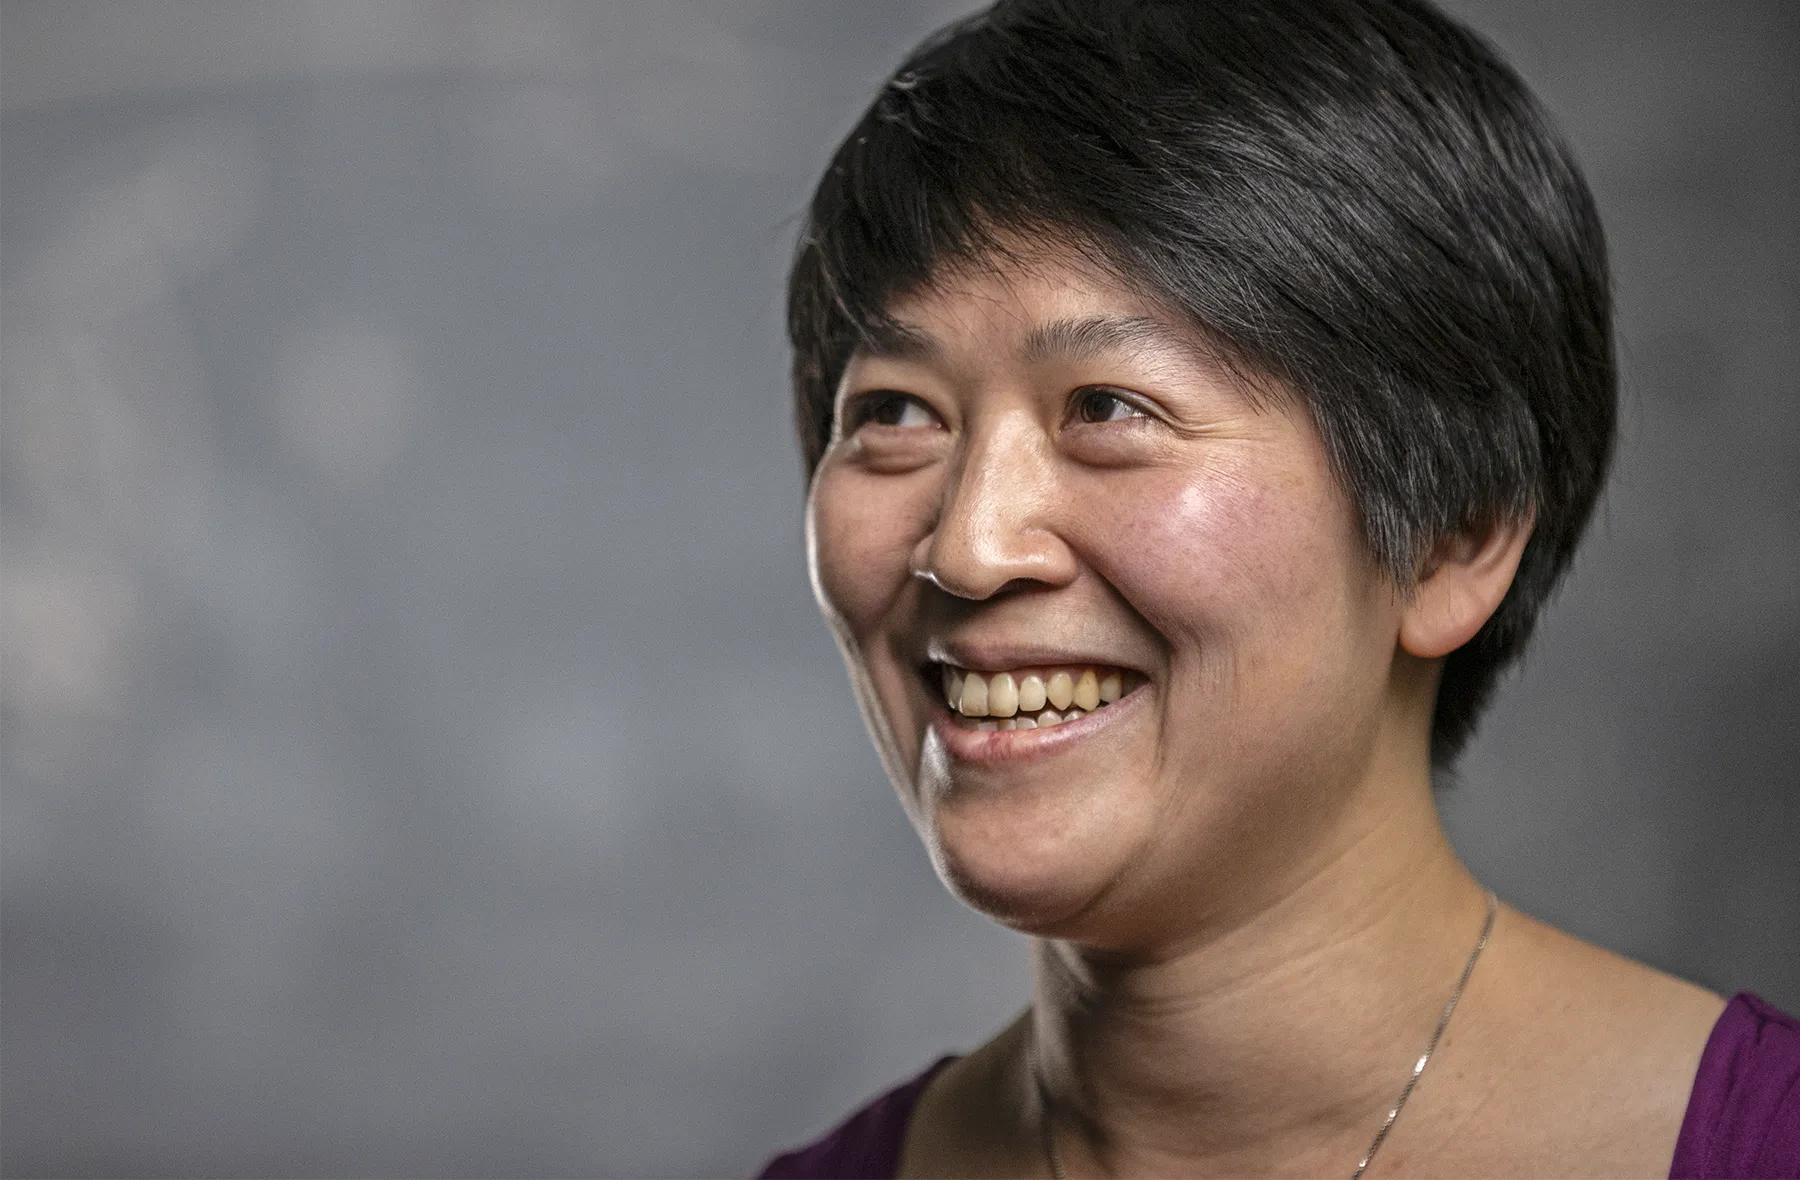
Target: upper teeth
pixel 1007 694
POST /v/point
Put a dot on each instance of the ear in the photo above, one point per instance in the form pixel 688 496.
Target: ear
pixel 1464 580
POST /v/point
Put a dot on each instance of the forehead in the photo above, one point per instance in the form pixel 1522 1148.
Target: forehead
pixel 1040 308
pixel 1050 308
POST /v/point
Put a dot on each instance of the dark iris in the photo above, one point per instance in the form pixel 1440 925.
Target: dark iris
pixel 1097 405
pixel 889 410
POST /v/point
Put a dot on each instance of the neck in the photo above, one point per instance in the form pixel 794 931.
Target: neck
pixel 1277 1041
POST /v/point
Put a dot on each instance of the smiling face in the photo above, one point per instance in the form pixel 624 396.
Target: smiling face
pixel 1041 475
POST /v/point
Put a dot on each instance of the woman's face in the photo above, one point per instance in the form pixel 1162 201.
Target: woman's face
pixel 1107 612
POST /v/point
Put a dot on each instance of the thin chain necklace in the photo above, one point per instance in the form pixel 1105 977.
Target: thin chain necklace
pixel 1045 1129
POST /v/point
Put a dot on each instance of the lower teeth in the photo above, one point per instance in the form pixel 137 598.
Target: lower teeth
pixel 1042 720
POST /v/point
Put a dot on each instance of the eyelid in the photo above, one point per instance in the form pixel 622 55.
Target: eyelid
pixel 1144 406
pixel 859 407
pixel 854 408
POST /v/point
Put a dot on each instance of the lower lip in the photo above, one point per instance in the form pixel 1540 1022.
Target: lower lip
pixel 1025 745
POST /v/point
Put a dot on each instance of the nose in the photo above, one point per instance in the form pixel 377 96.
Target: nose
pixel 995 522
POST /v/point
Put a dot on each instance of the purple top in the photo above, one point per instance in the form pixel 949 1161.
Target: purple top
pixel 1743 1118
pixel 1742 1121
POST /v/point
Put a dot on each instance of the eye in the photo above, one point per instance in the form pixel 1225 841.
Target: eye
pixel 1096 404
pixel 888 408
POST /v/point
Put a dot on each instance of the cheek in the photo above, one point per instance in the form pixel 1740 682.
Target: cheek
pixel 1238 565
pixel 860 539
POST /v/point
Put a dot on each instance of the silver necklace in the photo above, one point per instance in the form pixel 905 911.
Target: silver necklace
pixel 1045 1129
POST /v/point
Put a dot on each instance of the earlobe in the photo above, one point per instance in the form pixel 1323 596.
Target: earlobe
pixel 1467 576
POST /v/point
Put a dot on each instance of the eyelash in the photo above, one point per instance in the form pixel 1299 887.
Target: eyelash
pixel 865 407
pixel 1080 399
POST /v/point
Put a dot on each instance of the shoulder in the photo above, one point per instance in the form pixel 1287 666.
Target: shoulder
pixel 1743 1118
pixel 865 1146
pixel 1596 1012
pixel 967 1121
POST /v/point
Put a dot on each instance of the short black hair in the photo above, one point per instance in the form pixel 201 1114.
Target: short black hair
pixel 1358 198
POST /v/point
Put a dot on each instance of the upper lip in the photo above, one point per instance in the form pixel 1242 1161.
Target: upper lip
pixel 998 655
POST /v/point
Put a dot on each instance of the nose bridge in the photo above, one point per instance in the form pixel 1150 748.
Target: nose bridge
pixel 1003 465
pixel 990 527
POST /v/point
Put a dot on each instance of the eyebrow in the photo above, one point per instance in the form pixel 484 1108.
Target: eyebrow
pixel 893 339
pixel 1092 336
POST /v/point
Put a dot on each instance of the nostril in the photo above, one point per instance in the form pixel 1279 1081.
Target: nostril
pixel 976 553
pixel 972 591
pixel 937 579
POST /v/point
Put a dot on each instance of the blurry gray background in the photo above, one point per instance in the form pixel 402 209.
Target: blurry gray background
pixel 420 752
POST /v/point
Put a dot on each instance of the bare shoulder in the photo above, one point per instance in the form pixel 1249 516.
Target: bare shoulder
pixel 967 1121
pixel 1587 1057
pixel 1606 1008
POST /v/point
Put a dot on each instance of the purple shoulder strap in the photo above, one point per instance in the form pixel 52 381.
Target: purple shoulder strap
pixel 1743 1118
pixel 866 1146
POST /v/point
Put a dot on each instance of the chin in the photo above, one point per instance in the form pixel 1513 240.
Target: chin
pixel 1042 870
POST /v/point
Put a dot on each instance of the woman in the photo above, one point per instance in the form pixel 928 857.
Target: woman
pixel 1202 399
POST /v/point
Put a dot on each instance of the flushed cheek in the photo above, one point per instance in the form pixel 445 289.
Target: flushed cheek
pixel 1238 573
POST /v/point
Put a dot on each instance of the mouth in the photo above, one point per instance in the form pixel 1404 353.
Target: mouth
pixel 1030 698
